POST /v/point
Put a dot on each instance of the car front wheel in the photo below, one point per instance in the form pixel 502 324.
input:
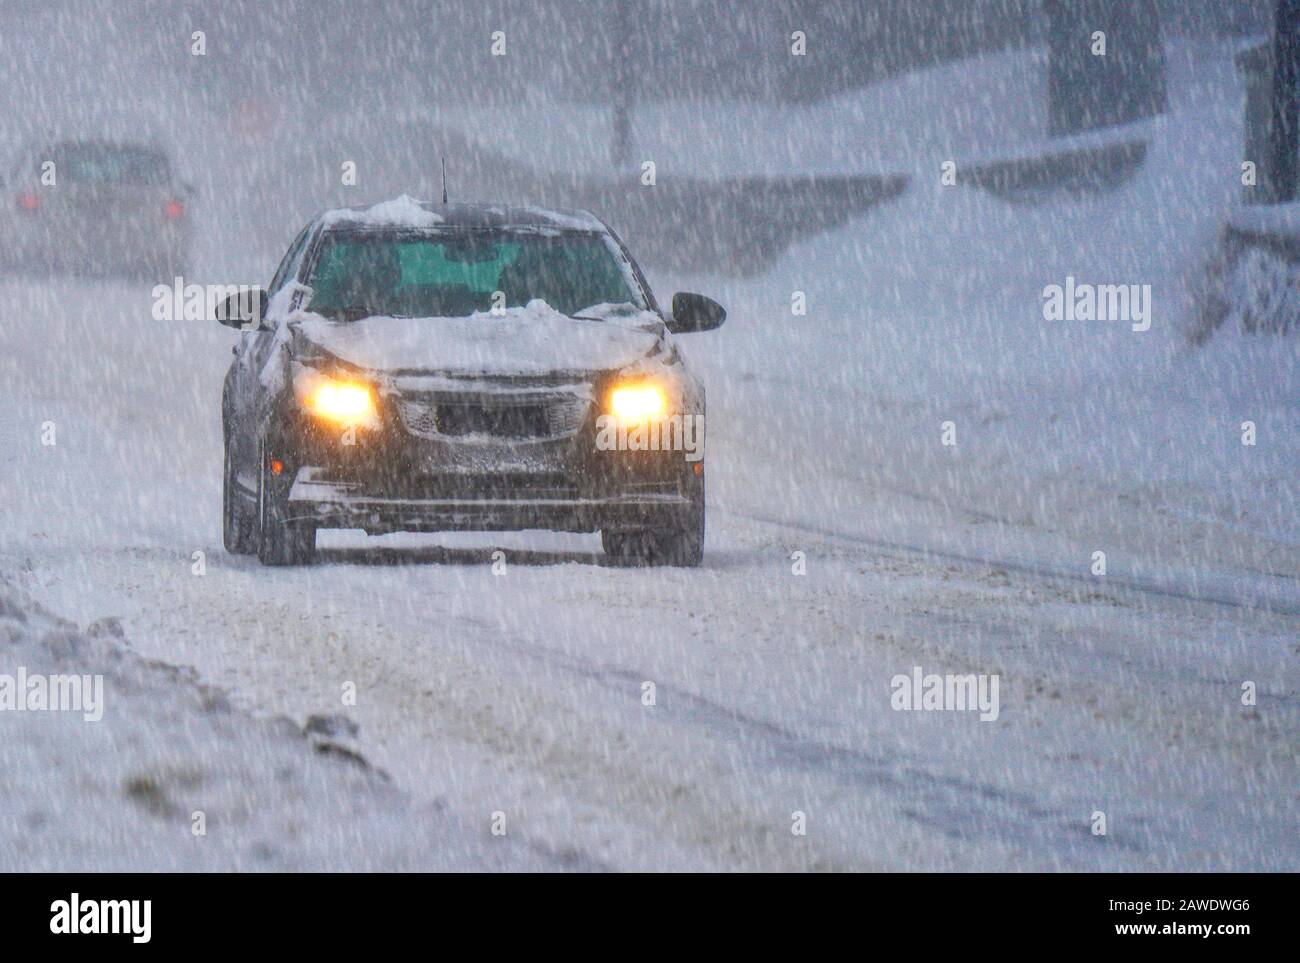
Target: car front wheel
pixel 281 539
pixel 680 546
pixel 237 522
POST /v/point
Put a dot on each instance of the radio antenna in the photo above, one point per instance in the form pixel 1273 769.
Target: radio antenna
pixel 444 179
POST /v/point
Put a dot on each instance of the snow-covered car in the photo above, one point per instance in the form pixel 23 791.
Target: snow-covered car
pixel 94 207
pixel 422 367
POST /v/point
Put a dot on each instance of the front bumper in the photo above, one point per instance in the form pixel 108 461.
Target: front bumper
pixel 408 475
pixel 344 504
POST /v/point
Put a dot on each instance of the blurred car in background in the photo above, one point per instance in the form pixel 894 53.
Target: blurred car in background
pixel 96 208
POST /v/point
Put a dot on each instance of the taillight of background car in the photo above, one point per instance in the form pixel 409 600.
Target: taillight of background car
pixel 174 210
pixel 28 201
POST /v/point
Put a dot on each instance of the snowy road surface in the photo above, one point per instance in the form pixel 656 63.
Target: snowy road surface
pixel 521 692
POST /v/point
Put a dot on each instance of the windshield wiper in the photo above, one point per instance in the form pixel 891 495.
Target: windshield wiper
pixel 357 314
pixel 632 309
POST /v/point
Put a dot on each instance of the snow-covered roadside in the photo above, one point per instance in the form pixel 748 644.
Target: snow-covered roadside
pixel 170 756
pixel 1070 437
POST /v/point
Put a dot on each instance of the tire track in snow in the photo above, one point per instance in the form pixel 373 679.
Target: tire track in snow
pixel 940 802
pixel 1040 570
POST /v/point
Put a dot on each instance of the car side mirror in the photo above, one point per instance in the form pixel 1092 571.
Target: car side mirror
pixel 189 189
pixel 695 312
pixel 244 309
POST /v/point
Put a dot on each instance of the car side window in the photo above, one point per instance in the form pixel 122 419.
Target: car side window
pixel 285 270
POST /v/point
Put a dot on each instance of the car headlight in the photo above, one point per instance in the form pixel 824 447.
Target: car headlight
pixel 343 401
pixel 639 402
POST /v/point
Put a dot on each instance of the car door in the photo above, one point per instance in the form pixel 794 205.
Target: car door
pixel 251 354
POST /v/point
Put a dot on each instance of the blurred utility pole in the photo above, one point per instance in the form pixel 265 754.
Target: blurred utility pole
pixel 623 78
pixel 1283 139
pixel 1106 63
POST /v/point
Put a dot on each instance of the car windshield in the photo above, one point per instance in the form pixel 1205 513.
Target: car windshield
pixel 105 164
pixel 451 275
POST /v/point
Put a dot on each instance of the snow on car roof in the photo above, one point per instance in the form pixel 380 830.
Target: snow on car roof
pixel 406 211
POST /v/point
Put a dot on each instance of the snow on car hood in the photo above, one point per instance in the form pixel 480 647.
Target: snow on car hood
pixel 530 340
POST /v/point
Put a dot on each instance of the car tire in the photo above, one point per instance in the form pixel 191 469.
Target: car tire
pixel 681 547
pixel 238 525
pixel 281 540
pixel 175 265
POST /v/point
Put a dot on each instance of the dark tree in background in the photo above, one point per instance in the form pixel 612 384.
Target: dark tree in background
pixel 1087 90
pixel 1283 140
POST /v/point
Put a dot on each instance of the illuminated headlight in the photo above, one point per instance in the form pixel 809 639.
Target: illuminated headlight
pixel 631 403
pixel 344 402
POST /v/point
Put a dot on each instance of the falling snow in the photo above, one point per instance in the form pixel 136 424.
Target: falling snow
pixel 909 466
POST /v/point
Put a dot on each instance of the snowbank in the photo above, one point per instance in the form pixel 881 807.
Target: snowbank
pixel 1068 434
pixel 1281 220
pixel 171 756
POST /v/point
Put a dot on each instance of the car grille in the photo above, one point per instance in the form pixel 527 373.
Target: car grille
pixel 552 418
